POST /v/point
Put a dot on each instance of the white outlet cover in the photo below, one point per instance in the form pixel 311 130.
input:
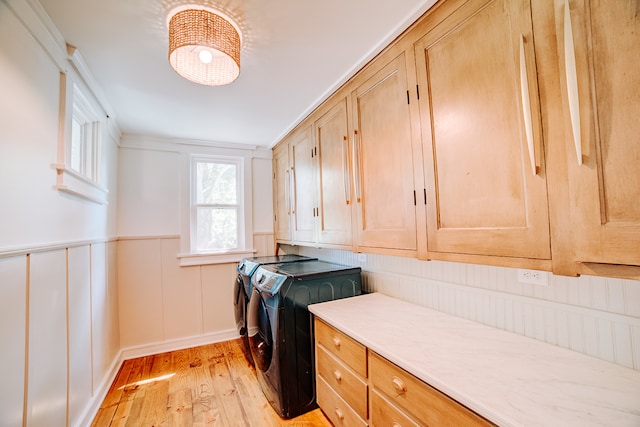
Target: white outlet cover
pixel 362 258
pixel 533 277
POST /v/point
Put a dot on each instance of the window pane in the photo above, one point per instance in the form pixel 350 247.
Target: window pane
pixel 217 229
pixel 216 183
pixel 76 145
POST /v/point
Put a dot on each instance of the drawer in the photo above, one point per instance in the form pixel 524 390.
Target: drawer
pixel 383 413
pixel 348 350
pixel 335 408
pixel 424 402
pixel 343 380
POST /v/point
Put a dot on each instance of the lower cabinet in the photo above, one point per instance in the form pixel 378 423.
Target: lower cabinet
pixel 357 387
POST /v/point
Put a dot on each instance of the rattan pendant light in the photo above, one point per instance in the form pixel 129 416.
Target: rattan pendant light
pixel 204 47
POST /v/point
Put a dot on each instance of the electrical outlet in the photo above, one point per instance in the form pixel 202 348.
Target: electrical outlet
pixel 533 277
pixel 362 258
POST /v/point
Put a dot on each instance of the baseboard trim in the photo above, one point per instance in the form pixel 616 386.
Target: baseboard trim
pixel 178 344
pixel 91 410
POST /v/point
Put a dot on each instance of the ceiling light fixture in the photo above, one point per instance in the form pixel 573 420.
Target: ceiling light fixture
pixel 204 47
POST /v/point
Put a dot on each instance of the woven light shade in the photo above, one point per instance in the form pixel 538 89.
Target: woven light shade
pixel 204 47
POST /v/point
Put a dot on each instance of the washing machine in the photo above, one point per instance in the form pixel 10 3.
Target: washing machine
pixel 242 290
pixel 280 330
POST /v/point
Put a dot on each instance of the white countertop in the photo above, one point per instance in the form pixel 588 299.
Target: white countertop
pixel 509 379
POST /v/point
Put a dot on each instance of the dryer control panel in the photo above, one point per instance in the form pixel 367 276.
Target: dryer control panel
pixel 267 281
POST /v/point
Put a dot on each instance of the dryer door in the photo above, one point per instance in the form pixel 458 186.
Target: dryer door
pixel 239 305
pixel 259 331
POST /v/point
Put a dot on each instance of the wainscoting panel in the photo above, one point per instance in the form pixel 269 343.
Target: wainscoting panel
pixel 47 358
pixel 181 295
pixel 79 306
pixel 597 316
pixel 140 291
pixel 13 313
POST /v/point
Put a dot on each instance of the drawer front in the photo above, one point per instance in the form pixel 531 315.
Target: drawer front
pixel 335 408
pixel 427 404
pixel 343 380
pixel 351 352
pixel 383 413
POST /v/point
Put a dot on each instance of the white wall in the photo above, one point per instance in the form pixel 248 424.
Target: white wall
pixel 58 296
pixel 597 316
pixel 164 306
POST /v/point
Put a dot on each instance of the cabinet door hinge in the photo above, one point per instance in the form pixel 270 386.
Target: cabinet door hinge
pixel 408 98
pixel 425 196
pixel 418 91
pixel 414 198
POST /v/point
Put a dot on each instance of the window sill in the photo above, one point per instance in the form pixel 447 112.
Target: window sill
pixel 71 182
pixel 186 260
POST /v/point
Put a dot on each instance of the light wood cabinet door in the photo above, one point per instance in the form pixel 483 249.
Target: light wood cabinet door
pixel 599 49
pixel 481 130
pixel 383 159
pixel 334 186
pixel 303 185
pixel 281 192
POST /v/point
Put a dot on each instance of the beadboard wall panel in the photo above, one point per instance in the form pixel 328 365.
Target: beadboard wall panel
pixel 597 316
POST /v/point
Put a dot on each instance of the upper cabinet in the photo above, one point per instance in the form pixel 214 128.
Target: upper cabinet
pixel 383 156
pixel 481 129
pixel 282 193
pixel 335 194
pixel 502 132
pixel 599 50
pixel 303 185
pixel 313 191
pixel 294 187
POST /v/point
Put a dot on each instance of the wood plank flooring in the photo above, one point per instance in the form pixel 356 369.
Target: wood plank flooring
pixel 211 385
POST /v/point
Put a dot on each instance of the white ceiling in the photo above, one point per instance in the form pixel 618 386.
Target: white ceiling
pixel 294 54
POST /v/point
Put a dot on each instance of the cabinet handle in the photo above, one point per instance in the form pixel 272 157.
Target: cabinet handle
pixel 526 106
pixel 337 375
pixel 347 187
pixel 293 190
pixel 356 152
pixel 336 342
pixel 339 414
pixel 399 385
pixel 287 192
pixel 572 81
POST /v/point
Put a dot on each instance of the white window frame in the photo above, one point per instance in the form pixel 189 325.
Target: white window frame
pixel 190 255
pixel 82 180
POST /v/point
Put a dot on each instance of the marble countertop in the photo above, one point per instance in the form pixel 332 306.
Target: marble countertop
pixel 509 379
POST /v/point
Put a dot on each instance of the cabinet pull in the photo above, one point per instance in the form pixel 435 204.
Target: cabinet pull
pixel 347 187
pixel 356 152
pixel 339 414
pixel 337 375
pixel 293 190
pixel 572 81
pixel 336 342
pixel 526 106
pixel 287 192
pixel 399 385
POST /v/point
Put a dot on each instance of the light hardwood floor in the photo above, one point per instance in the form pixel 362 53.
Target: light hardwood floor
pixel 211 385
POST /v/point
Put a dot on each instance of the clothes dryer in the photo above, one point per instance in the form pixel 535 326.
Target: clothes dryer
pixel 280 329
pixel 242 290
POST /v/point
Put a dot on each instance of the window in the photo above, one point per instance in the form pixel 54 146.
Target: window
pixel 216 208
pixel 85 138
pixel 79 147
pixel 216 205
